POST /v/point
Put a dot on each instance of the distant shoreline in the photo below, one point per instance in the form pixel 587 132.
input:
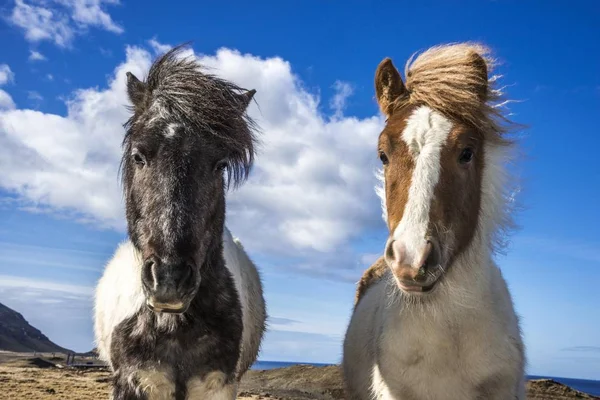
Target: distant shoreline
pixel 585 385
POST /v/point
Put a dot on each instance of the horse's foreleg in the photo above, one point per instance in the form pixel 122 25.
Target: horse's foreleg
pixel 122 390
pixel 215 385
pixel 144 384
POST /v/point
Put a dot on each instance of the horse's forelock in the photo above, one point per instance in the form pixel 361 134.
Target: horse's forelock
pixel 181 91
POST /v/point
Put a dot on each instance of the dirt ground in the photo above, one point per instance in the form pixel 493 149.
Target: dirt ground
pixel 20 383
pixel 23 377
pixel 30 377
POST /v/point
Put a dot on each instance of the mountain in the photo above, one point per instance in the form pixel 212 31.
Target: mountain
pixel 17 335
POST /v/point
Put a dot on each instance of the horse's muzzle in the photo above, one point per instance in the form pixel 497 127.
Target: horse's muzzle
pixel 169 288
pixel 419 276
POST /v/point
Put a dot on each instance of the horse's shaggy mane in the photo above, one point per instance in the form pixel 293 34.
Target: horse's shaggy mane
pixel 457 80
pixel 179 88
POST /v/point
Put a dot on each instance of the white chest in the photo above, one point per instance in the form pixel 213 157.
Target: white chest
pixel 429 358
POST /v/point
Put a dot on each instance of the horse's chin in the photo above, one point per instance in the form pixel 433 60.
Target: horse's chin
pixel 412 289
pixel 178 306
pixel 168 308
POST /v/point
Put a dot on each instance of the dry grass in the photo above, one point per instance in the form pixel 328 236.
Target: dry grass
pixel 24 377
pixel 32 379
pixel 50 383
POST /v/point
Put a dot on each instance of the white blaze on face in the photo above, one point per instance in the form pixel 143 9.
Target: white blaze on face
pixel 168 214
pixel 171 130
pixel 425 135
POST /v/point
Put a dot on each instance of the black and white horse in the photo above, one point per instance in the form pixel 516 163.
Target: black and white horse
pixel 179 311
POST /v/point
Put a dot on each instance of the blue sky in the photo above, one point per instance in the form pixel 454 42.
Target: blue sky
pixel 308 215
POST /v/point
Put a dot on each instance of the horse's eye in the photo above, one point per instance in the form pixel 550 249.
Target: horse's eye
pixel 138 157
pixel 383 158
pixel 466 156
pixel 221 165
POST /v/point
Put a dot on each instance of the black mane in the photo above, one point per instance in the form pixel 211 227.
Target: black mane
pixel 180 88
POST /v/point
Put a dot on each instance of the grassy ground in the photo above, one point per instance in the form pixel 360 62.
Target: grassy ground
pixel 27 377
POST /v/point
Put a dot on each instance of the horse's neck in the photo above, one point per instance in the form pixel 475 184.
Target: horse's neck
pixel 215 261
pixel 470 277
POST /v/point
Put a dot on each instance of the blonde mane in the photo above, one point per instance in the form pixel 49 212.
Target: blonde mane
pixel 457 80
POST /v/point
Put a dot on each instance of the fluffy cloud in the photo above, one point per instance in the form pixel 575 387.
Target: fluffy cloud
pixel 338 101
pixel 309 194
pixel 6 76
pixel 6 102
pixel 90 13
pixel 10 282
pixel 33 95
pixel 36 56
pixel 70 163
pixel 60 20
pixel 158 47
pixel 312 185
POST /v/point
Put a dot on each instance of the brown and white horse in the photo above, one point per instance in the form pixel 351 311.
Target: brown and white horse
pixel 433 317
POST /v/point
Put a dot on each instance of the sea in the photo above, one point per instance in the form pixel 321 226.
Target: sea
pixel 583 385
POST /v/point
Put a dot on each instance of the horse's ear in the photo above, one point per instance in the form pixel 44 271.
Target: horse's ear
pixel 388 86
pixel 482 70
pixel 246 98
pixel 136 89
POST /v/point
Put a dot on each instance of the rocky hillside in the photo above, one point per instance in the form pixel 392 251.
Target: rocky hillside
pixel 17 335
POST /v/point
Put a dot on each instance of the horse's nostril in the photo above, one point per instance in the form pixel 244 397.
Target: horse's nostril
pixel 148 273
pixel 389 251
pixel 431 257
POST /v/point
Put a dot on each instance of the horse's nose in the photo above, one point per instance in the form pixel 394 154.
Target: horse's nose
pixel 167 286
pixel 408 267
pixel 395 252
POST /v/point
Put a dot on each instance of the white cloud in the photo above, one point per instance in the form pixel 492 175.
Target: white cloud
pixel 6 75
pixel 312 185
pixel 158 47
pixel 50 77
pixel 309 193
pixel 343 90
pixel 33 285
pixel 6 102
pixel 35 96
pixel 90 13
pixel 41 23
pixel 60 20
pixel 71 163
pixel 36 56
